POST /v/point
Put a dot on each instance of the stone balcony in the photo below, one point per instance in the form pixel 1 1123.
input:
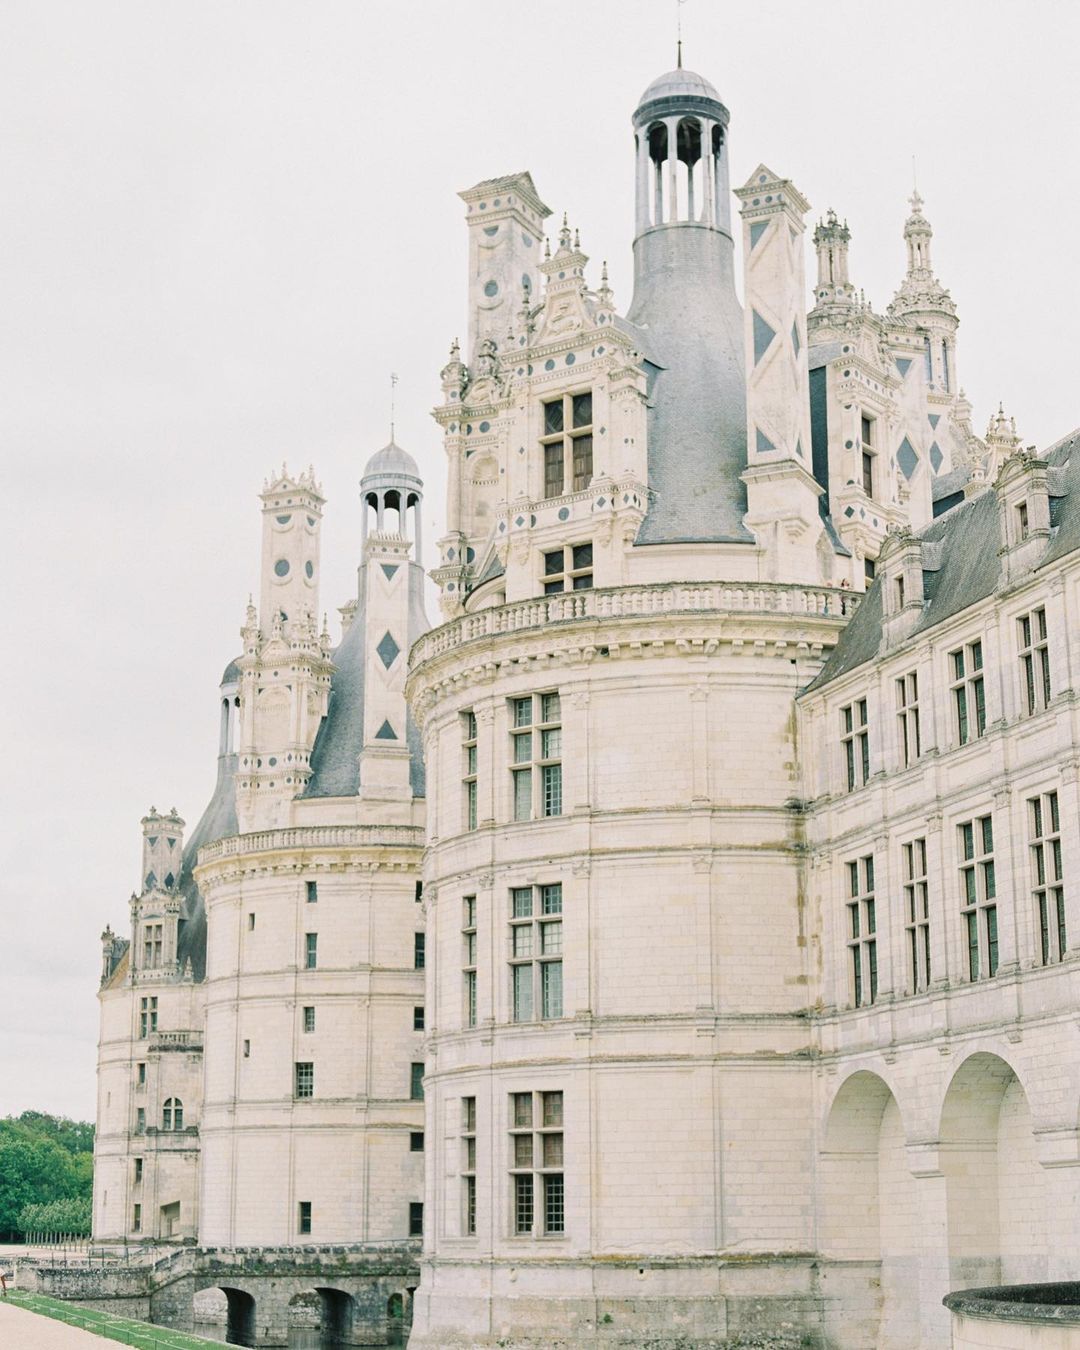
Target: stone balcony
pixel 313 837
pixel 623 602
pixel 175 1040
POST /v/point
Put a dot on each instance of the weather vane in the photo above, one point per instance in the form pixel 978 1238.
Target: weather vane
pixel 393 386
pixel 678 31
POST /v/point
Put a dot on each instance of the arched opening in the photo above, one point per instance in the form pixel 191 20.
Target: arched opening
pixel 995 1186
pixel 172 1114
pixel 869 1221
pixel 392 502
pixel 689 171
pixel 395 1320
pixel 719 177
pixel 321 1319
pixel 223 1313
pixel 658 153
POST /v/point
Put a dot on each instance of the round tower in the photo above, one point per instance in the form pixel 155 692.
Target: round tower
pixel 618 1070
pixel 685 301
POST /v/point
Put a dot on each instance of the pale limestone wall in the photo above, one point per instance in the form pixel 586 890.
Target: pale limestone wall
pixel 173 1060
pixel 680 1052
pixel 346 1150
pixel 981 1333
pixel 956 1108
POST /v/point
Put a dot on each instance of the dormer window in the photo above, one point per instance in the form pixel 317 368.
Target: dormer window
pixel 899 593
pixel 567 444
pixel 1021 522
pixel 868 454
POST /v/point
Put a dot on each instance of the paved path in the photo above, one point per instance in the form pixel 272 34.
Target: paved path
pixel 22 1330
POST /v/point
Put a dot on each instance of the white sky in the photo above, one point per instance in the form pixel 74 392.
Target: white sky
pixel 225 223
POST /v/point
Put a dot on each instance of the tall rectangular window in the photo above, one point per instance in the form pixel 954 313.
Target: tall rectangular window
pixel 917 915
pixel 567 444
pixel 138 1170
pixel 468 956
pixel 303 1218
pixel 416 1218
pixel 968 691
pixel 304 1074
pixel 855 739
pixel 416 1081
pixel 1034 660
pixel 140 1073
pixel 140 1120
pixel 536 1163
pixel 862 931
pixel 536 948
pixel 866 431
pixel 418 1017
pixel 978 896
pixel 468 1166
pixel 152 945
pixel 147 1015
pixel 536 755
pixel 311 891
pixel 907 718
pixel 568 569
pixel 418 951
pixel 1047 877
pixel 311 950
pixel 468 782
pixel 136 1219
pixel 416 1141
pixel 309 1019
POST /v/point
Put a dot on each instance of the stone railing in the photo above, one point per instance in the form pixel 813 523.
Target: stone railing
pixel 749 597
pixel 175 1040
pixel 314 836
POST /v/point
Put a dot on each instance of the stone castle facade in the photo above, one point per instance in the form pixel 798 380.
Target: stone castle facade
pixel 681 937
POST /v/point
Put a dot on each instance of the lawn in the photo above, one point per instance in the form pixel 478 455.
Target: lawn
pixel 140 1335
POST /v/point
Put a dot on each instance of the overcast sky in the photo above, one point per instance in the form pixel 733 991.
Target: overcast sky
pixel 224 224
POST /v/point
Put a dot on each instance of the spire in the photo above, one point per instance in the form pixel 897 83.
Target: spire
pixel 833 290
pixel 393 387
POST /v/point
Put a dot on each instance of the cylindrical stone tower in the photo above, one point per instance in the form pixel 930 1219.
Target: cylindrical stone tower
pixel 619 1072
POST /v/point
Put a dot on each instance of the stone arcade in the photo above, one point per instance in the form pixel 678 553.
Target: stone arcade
pixel 748 908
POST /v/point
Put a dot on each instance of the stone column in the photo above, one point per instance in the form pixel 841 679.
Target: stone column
pixel 672 124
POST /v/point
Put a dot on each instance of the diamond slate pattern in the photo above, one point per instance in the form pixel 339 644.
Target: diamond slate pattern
pixel 388 650
pixel 763 336
pixel 907 458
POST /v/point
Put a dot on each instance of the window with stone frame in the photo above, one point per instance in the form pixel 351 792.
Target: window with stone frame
pixel 1034 651
pixel 416 1081
pixel 968 691
pixel 153 943
pixel 147 1015
pixel 567 444
pixel 468 969
pixel 469 766
pixel 862 931
pixel 978 896
pixel 907 718
pixel 419 950
pixel 537 1180
pixel 1047 876
pixel 138 1171
pixel 309 1019
pixel 536 951
pixel 136 1219
pixel 569 568
pixel 172 1114
pixel 868 452
pixel 468 1166
pixel 536 756
pixel 303 1218
pixel 311 951
pixel 304 1079
pixel 416 1218
pixel 917 915
pixel 855 741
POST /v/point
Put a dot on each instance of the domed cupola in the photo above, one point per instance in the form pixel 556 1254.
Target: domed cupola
pixel 391 482
pixel 685 301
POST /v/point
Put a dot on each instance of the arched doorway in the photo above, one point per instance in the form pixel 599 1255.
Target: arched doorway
pixel 995 1187
pixel 395 1320
pixel 869 1221
pixel 321 1319
pixel 224 1313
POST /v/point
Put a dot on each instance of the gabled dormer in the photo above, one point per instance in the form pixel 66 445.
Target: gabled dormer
pixel 900 575
pixel 155 911
pixel 1023 513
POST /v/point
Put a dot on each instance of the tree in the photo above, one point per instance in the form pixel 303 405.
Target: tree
pixel 43 1159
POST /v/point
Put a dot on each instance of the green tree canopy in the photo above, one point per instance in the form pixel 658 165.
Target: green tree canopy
pixel 43 1159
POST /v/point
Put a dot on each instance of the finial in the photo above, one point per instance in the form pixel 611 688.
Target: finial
pixel 678 33
pixel 577 239
pixel 393 386
pixel 564 233
pixel 547 247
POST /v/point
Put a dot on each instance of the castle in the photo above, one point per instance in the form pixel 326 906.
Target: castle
pixel 680 944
